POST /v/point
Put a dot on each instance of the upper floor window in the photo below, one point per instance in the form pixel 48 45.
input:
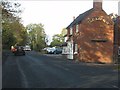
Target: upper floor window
pixel 71 31
pixel 77 28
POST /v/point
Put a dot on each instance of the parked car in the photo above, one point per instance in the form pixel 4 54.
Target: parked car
pixel 58 51
pixel 19 50
pixel 54 50
pixel 27 48
pixel 50 50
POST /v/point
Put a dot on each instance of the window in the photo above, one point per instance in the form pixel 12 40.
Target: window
pixel 76 48
pixel 99 40
pixel 77 28
pixel 71 31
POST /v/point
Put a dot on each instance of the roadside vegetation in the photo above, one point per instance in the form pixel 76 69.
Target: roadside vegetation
pixel 15 33
pixel 58 39
pixel 13 30
pixel 37 37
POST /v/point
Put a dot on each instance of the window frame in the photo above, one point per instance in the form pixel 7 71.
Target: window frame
pixel 71 31
pixel 77 28
pixel 76 48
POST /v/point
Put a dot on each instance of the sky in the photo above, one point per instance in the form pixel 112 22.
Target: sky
pixel 56 15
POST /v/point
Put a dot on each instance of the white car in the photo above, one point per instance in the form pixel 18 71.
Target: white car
pixel 27 48
pixel 50 50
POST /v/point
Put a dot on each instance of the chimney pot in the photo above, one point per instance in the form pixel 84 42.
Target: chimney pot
pixel 73 18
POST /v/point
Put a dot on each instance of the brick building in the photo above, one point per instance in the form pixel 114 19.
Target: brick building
pixel 117 38
pixel 90 36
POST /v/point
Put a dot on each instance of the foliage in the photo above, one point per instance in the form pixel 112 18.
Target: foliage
pixel 10 8
pixel 12 30
pixel 37 36
pixel 8 38
pixel 58 39
pixel 64 32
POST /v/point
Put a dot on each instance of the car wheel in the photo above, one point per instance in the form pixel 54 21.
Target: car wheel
pixel 23 53
pixel 54 52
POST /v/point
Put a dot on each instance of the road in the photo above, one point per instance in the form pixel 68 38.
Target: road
pixel 52 71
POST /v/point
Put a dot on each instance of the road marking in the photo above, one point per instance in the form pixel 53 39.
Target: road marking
pixel 23 76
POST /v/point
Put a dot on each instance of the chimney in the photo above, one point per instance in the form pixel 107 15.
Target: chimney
pixel 73 18
pixel 97 4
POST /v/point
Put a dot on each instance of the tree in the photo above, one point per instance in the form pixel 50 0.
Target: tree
pixel 37 36
pixel 64 32
pixel 12 30
pixel 58 39
pixel 8 38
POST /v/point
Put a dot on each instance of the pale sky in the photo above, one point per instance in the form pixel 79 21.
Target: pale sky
pixel 56 15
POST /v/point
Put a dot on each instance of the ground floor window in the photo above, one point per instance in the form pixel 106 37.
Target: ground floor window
pixel 76 49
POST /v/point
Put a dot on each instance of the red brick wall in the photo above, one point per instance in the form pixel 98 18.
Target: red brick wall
pixel 95 51
pixel 68 32
pixel 116 37
pixel 118 29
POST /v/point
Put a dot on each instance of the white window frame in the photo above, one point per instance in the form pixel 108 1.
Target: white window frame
pixel 71 31
pixel 76 49
pixel 77 28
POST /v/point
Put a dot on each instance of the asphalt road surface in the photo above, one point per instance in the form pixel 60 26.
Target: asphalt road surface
pixel 52 71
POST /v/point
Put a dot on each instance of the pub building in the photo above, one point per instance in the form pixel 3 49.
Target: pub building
pixel 90 36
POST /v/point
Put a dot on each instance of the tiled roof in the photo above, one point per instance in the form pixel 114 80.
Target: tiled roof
pixel 80 18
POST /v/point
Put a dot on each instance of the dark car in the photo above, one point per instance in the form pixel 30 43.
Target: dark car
pixel 19 50
pixel 58 51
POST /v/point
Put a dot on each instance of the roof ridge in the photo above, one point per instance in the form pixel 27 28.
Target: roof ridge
pixel 80 17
